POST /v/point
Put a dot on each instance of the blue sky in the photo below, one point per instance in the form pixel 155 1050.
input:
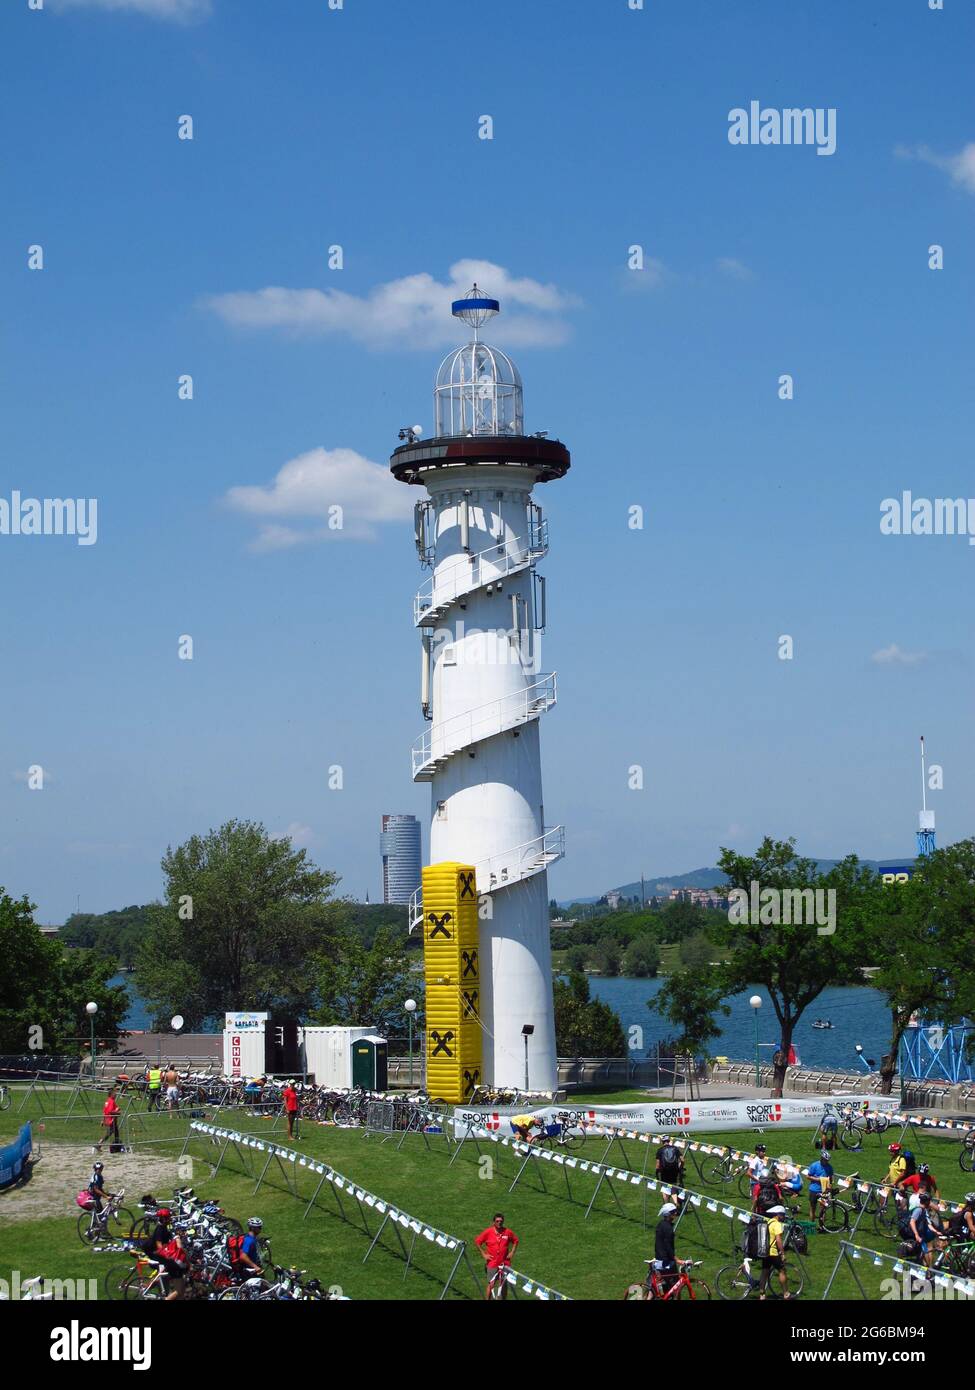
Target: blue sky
pixel 359 128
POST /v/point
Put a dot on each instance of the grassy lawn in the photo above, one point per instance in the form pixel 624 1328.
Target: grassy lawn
pixel 591 1259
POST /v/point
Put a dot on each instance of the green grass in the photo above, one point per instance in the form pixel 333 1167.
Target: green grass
pixel 591 1259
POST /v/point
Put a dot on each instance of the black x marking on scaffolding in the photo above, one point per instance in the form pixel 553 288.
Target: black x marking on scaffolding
pixel 470 963
pixel 439 925
pixel 467 885
pixel 442 1040
pixel 470 1002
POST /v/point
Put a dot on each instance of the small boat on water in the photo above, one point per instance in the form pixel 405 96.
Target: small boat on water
pixel 822 1023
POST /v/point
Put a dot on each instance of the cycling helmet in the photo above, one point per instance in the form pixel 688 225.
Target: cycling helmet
pixel 924 1168
pixel 969 1197
pixel 760 1149
pixel 163 1214
pixel 824 1153
pixel 98 1167
pixel 893 1148
pixel 254 1223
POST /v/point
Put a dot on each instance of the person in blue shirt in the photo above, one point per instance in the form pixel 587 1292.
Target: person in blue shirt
pixel 820 1182
pixel 244 1251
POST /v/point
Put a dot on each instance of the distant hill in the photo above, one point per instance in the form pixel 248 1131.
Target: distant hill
pixel 697 878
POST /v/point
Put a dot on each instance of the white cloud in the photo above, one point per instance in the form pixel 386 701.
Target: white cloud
pixel 183 11
pixel 960 167
pixel 412 312
pixel 896 656
pixel 300 835
pixel 309 487
pixel 736 269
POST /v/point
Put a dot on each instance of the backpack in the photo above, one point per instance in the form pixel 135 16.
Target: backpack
pixel 908 1156
pixel 172 1251
pixel 235 1246
pixel 669 1156
pixel 768 1196
pixel 756 1241
pixel 904 1226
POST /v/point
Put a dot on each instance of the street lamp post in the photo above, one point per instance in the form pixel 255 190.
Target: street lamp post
pixel 410 1007
pixel 527 1031
pixel 756 1003
pixel 91 1009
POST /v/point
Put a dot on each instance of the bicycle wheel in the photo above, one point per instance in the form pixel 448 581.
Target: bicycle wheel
pixel 881 1123
pixel 795 1280
pixel 744 1184
pixel 89 1232
pixel 885 1219
pixel 120 1223
pixel 343 1114
pixel 966 1159
pixel 694 1290
pixel 574 1138
pixel 836 1218
pixel 732 1282
pixel 116 1281
pixel 851 1137
pixel 717 1174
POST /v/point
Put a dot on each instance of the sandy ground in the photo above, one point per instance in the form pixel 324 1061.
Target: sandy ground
pixel 63 1169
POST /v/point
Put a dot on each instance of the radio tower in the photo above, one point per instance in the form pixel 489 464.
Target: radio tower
pixel 925 833
pixel 481 615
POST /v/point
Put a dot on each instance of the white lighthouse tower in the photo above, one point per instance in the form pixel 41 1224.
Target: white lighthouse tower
pixel 481 615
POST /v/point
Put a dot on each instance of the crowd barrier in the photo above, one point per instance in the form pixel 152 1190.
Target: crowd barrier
pixel 393 1218
pixel 957 1285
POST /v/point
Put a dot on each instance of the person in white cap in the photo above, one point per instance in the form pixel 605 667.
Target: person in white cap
pixel 775 1259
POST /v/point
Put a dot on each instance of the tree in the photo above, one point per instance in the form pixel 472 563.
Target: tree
pixel 921 941
pixel 367 985
pixel 585 1027
pixel 696 952
pixel 577 957
pixel 607 957
pixel 690 1000
pixel 795 961
pixel 641 958
pixel 44 988
pixel 243 916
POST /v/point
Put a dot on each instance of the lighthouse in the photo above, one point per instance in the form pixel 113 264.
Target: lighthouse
pixel 481 615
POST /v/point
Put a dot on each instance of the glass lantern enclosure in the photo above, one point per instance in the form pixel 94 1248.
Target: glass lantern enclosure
pixel 478 391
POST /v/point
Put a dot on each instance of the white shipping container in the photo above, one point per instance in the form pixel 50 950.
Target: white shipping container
pixel 328 1054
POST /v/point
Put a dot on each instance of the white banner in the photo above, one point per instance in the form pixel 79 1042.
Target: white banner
pixel 681 1117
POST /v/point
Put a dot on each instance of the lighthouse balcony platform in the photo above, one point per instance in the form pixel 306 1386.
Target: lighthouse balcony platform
pixel 440 742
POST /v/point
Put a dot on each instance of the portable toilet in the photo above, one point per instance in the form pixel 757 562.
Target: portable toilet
pixel 369 1058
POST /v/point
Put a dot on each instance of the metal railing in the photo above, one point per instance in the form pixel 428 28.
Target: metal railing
pixel 505 558
pixel 483 721
pixel 512 865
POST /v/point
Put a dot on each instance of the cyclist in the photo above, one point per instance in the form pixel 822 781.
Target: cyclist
pixel 758 1172
pixel 925 1231
pixel 244 1252
pixel 665 1263
pixel 825 1135
pixel 670 1162
pixel 921 1181
pixel 96 1186
pixel 497 1244
pixel 898 1165
pixel 523 1125
pixel 290 1097
pixel 962 1223
pixel 167 1249
pixel 775 1259
pixel 820 1182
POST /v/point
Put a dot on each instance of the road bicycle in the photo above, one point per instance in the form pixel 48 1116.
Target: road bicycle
pixel 667 1288
pixel 957 1257
pixel 144 1279
pixel 739 1281
pixel 108 1226
pixel 565 1131
pixel 729 1170
pixel 966 1158
pixel 288 1285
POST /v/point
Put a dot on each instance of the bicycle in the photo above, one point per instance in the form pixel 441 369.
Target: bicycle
pixel 110 1225
pixel 966 1158
pixel 738 1282
pixel 652 1289
pixel 145 1279
pixel 564 1132
pixel 727 1170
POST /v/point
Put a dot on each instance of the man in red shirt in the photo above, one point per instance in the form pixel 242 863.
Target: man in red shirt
pixel 290 1097
pixel 110 1114
pixel 497 1244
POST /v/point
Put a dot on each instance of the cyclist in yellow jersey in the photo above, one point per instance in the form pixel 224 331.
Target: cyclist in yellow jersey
pixel 775 1259
pixel 898 1165
pixel 523 1126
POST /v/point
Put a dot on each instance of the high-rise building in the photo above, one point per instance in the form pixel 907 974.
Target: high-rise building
pixel 481 616
pixel 399 845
